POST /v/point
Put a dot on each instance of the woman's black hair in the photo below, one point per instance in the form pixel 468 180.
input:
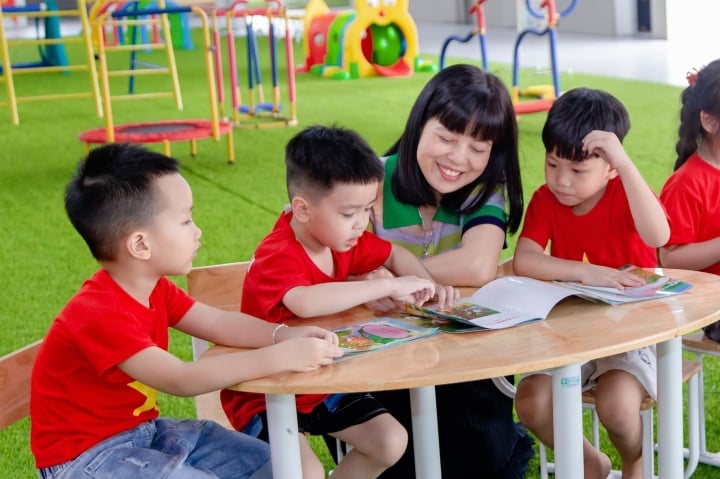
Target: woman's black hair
pixel 465 100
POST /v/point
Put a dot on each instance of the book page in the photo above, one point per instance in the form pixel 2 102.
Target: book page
pixel 657 287
pixel 519 299
pixel 379 333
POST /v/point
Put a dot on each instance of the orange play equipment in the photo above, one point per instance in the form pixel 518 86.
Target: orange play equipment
pixel 377 38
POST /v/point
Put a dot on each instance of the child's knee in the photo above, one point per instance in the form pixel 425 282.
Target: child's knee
pixel 392 444
pixel 618 416
pixel 312 468
pixel 533 399
pixel 383 440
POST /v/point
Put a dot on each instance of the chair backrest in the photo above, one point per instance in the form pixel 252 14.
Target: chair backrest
pixel 15 372
pixel 219 286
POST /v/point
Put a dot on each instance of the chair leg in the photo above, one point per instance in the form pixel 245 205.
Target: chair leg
pixel 595 427
pixel 705 456
pixel 694 424
pixel 648 444
pixel 544 466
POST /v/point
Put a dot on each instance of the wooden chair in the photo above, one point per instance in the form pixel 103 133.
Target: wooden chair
pixel 219 286
pixel 699 345
pixel 15 372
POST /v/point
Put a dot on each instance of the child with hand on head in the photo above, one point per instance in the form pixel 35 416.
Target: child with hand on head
pixel 598 214
pixel 94 409
pixel 301 269
pixel 691 194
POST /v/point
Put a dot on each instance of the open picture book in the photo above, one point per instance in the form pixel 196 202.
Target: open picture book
pixel 512 300
pixel 378 334
pixel 656 286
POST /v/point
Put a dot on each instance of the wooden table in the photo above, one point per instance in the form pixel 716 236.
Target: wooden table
pixel 575 331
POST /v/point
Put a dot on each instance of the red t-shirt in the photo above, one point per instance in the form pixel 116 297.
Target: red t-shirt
pixel 279 264
pixel 79 397
pixel 606 235
pixel 690 196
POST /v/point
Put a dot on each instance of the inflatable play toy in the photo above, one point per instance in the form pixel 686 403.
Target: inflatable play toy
pixel 377 38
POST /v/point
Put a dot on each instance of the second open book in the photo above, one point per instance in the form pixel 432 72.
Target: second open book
pixel 513 300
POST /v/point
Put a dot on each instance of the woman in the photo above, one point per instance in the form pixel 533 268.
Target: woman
pixel 451 193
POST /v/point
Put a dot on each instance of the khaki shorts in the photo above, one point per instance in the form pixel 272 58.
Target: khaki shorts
pixel 640 363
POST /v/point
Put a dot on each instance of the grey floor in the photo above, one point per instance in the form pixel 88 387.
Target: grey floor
pixel 637 57
pixel 633 57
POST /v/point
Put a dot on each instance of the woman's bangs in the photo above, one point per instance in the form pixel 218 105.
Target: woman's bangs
pixel 483 124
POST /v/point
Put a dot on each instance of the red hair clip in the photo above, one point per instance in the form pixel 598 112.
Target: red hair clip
pixel 692 75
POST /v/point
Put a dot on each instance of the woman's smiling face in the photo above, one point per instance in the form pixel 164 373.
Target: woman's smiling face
pixel 450 160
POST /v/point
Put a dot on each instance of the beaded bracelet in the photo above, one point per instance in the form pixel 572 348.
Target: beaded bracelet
pixel 275 331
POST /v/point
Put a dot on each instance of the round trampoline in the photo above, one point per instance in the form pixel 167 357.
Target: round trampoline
pixel 157 131
pixel 165 131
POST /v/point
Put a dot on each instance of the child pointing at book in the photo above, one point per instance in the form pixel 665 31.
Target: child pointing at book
pixel 301 270
pixel 598 214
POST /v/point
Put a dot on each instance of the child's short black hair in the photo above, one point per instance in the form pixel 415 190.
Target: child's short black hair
pixel 578 112
pixel 112 192
pixel 320 157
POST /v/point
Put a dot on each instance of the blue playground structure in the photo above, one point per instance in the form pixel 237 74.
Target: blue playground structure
pixel 543 100
pixel 543 95
pixel 479 11
pixel 51 54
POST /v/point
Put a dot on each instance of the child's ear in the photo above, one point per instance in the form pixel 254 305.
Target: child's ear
pixel 709 122
pixel 300 208
pixel 612 173
pixel 137 245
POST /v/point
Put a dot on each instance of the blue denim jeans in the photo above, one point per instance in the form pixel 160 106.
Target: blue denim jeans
pixel 170 449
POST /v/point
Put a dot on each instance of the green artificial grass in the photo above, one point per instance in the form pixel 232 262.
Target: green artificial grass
pixel 235 205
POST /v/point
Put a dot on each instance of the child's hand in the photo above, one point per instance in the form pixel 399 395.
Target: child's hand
pixel 607 146
pixel 411 289
pixel 387 303
pixel 306 332
pixel 446 295
pixel 611 277
pixel 303 354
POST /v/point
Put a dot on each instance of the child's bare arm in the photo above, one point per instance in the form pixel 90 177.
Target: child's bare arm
pixel 159 369
pixel 239 329
pixel 530 260
pixel 329 298
pixel 649 216
pixel 695 256
pixel 297 349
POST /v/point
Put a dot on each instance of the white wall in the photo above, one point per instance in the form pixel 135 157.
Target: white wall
pixel 601 17
pixel 447 11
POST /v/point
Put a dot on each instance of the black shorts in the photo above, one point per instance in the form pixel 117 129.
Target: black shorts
pixel 349 410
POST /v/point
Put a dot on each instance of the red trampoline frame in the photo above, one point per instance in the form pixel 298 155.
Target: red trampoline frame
pixel 165 131
pixel 159 131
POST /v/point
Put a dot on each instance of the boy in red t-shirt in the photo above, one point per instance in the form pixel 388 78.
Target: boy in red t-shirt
pixel 93 408
pixel 301 270
pixel 598 214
